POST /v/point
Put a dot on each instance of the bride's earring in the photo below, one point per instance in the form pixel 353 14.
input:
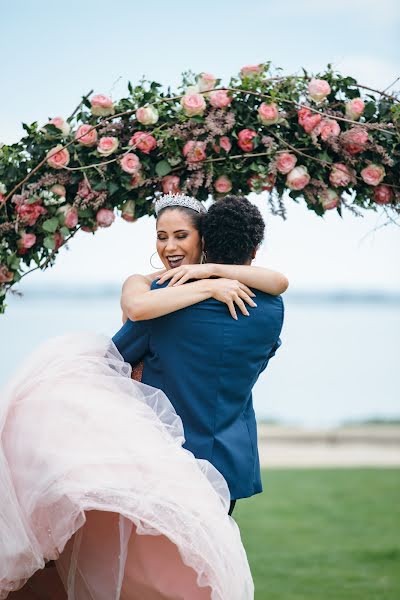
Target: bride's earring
pixel 203 258
pixel 153 266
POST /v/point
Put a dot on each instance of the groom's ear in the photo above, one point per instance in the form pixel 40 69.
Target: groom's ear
pixel 253 254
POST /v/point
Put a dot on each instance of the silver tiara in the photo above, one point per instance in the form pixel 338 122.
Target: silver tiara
pixel 178 200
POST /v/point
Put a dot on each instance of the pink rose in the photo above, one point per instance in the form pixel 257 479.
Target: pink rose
pixel 245 139
pixel 128 211
pixel 373 174
pixel 193 104
pixel 101 106
pixel 224 143
pixel 318 89
pixel 268 114
pixel 147 115
pixel 28 214
pixel 340 175
pixel 383 194
pixel 58 157
pixel 107 145
pixel 206 82
pixel 261 183
pixel 194 151
pixel 84 189
pixel 59 190
pixel 71 217
pixel 329 199
pixel 58 240
pixel 223 184
pixel 355 140
pixel 62 125
pixel 2 198
pixel 220 99
pixel 130 163
pixel 170 184
pixel 105 217
pixel 86 135
pixel 5 274
pixel 285 162
pixel 298 178
pixel 251 71
pixel 145 142
pixel 308 119
pixel 328 128
pixel 26 241
pixel 354 109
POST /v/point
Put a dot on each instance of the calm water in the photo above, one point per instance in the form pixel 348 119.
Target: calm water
pixel 338 361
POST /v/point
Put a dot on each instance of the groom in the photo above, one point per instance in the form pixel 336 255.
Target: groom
pixel 206 362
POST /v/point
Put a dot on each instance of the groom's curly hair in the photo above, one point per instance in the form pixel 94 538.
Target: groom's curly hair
pixel 232 229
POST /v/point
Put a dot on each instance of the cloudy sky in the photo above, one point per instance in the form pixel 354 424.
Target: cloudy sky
pixel 53 53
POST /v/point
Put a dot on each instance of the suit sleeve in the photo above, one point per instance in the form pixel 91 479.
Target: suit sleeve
pixel 132 341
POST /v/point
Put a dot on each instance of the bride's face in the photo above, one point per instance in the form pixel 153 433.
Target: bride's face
pixel 178 241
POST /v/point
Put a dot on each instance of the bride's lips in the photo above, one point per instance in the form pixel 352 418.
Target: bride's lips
pixel 175 261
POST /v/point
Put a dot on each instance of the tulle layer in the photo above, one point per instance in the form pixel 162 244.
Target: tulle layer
pixel 86 450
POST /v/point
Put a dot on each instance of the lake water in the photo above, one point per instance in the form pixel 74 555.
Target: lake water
pixel 338 360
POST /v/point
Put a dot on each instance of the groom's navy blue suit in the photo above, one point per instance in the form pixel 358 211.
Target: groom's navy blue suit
pixel 207 364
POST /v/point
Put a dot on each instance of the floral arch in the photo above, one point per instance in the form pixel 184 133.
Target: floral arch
pixel 324 139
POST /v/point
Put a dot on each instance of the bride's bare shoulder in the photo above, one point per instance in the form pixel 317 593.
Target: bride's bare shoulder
pixel 140 282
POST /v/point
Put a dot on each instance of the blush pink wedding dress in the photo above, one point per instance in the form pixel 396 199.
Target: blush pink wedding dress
pixel 93 475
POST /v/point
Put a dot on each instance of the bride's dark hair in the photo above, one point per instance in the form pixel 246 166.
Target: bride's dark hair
pixel 232 229
pixel 195 217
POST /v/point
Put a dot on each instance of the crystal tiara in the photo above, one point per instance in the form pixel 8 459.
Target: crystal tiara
pixel 178 200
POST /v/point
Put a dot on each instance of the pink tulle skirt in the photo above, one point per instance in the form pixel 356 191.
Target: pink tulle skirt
pixel 94 476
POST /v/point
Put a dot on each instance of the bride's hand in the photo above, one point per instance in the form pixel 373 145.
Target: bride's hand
pixel 184 273
pixel 233 293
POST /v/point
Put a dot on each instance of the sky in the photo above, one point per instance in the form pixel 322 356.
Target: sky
pixel 53 53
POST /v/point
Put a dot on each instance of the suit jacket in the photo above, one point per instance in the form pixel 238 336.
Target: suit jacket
pixel 207 364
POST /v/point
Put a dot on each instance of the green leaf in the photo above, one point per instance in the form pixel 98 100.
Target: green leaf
pixel 112 187
pixel 50 225
pixel 85 212
pixel 163 168
pixel 49 242
pixel 64 232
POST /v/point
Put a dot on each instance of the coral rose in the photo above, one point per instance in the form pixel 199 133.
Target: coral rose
pixel 318 89
pixel 137 180
pixel 105 217
pixel 329 199
pixel 193 104
pixel 170 184
pixel 59 190
pixel 285 162
pixel 147 115
pixel 58 157
pixel 224 143
pixel 220 99
pixel 206 82
pixel 194 151
pixel 340 175
pixel 144 141
pixel 298 178
pixel 101 106
pixel 355 140
pixel 373 174
pixel 354 109
pixel 223 184
pixel 251 71
pixel 86 135
pixel 130 163
pixel 28 214
pixel 5 274
pixel 107 145
pixel 128 211
pixel 308 119
pixel 26 241
pixel 245 139
pixel 383 194
pixel 268 114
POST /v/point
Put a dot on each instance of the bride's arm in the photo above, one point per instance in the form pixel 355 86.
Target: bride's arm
pixel 139 302
pixel 259 278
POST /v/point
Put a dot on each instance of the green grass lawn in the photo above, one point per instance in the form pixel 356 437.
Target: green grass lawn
pixel 329 534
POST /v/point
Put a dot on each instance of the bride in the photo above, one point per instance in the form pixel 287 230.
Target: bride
pixel 93 473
